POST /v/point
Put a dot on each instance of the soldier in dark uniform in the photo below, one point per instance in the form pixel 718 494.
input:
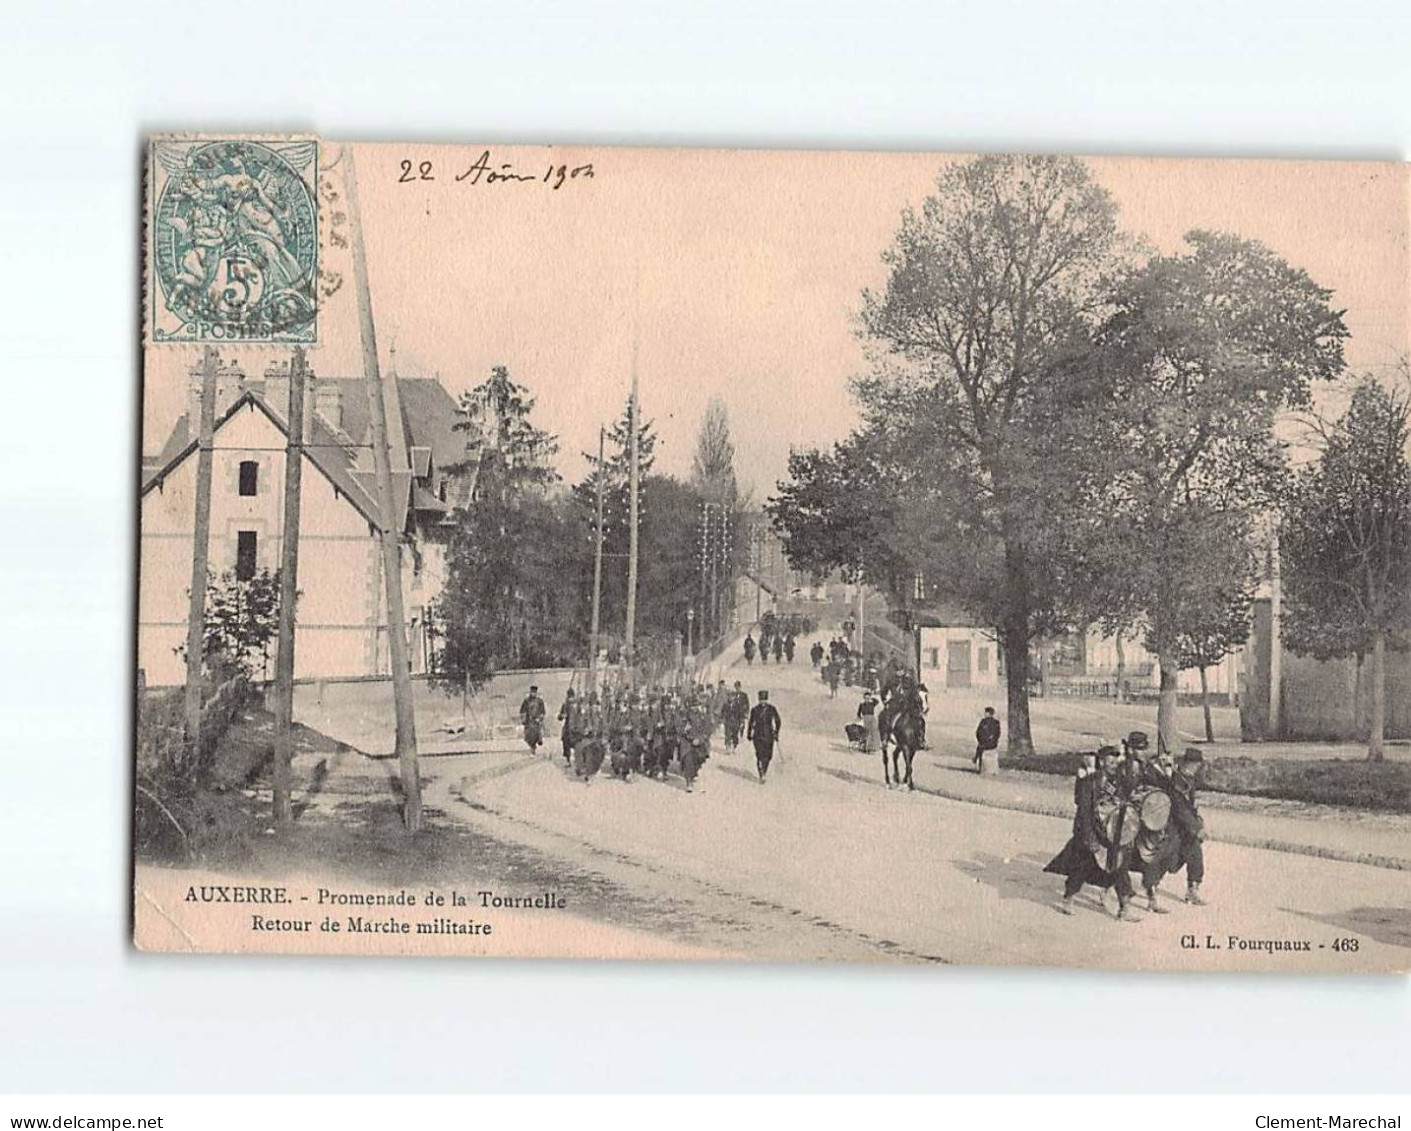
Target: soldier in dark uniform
pixel 589 753
pixel 737 707
pixel 763 731
pixel 1136 760
pixel 1190 826
pixel 626 753
pixel 639 734
pixel 1096 854
pixel 788 648
pixel 1177 844
pixel 568 715
pixel 749 649
pixel 778 649
pixel 657 756
pixel 696 730
pixel 669 733
pixel 614 732
pixel 532 713
pixel 816 653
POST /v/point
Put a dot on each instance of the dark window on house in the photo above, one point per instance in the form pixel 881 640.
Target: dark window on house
pixel 249 476
pixel 246 547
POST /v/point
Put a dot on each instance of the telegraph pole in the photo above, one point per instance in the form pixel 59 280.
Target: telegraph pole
pixel 633 486
pixel 200 557
pixel 288 597
pixel 715 541
pixel 861 623
pixel 597 571
pixel 391 545
pixel 1276 641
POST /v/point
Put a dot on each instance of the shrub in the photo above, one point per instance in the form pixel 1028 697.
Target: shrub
pixel 177 815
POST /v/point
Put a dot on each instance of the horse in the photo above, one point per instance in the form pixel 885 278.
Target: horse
pixel 906 731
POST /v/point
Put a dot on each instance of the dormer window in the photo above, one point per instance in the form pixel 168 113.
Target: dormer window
pixel 249 477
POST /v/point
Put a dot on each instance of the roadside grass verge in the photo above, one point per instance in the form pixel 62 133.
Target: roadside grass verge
pixel 1352 784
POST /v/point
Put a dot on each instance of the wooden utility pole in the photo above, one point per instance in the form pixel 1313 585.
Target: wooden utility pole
pixel 633 486
pixel 597 570
pixel 1276 642
pixel 861 622
pixel 288 597
pixel 200 557
pixel 391 543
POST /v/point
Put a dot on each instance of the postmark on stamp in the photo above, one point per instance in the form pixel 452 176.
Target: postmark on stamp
pixel 233 240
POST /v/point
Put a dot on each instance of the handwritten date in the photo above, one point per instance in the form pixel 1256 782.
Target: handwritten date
pixel 486 171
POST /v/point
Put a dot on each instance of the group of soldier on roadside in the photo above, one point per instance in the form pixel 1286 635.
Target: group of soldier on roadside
pixel 781 643
pixel 1134 813
pixel 843 664
pixel 650 730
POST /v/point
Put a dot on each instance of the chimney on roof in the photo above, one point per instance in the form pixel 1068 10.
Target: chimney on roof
pixel 328 402
pixel 276 391
pixel 230 383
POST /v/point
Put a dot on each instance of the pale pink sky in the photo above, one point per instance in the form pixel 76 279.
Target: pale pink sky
pixel 741 272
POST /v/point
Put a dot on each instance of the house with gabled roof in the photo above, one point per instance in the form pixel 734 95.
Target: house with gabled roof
pixel 341 619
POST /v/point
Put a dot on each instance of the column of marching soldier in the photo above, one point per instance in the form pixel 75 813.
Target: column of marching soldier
pixel 1133 813
pixel 650 730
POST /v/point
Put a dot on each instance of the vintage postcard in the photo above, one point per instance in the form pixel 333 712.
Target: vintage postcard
pixel 774 556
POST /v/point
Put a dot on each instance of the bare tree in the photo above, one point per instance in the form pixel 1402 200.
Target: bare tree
pixel 713 468
pixel 713 475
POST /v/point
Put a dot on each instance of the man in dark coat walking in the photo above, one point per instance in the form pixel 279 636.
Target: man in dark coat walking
pixel 763 731
pixel 531 717
pixel 1190 825
pixel 569 716
pixel 737 707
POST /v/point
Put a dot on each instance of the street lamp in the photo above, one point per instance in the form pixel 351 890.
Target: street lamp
pixel 690 634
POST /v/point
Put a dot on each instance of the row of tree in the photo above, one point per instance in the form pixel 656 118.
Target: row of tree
pixel 520 561
pixel 1060 429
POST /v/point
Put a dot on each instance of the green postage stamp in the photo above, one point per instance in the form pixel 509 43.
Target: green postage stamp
pixel 233 240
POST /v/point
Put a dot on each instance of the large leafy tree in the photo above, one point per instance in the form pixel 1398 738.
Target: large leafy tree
pixel 1200 354
pixel 501 606
pixel 1345 542
pixel 835 512
pixel 990 285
